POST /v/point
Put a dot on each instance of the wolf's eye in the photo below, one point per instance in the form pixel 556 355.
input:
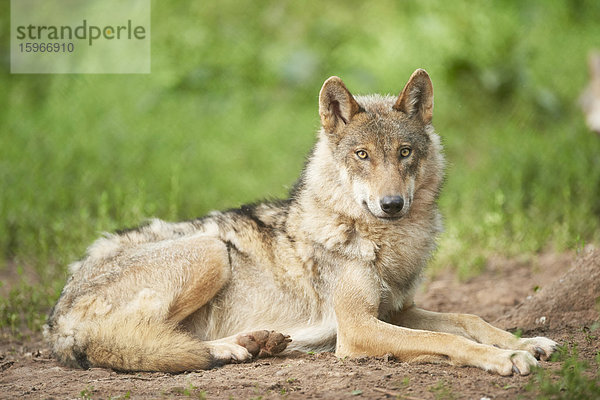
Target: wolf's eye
pixel 362 154
pixel 405 152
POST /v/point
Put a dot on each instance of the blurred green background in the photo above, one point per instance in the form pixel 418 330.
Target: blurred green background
pixel 230 110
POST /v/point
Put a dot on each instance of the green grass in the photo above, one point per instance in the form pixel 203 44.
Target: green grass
pixel 229 112
pixel 190 391
pixel 442 391
pixel 575 380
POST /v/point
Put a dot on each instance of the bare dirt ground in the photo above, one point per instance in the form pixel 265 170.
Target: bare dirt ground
pixel 554 295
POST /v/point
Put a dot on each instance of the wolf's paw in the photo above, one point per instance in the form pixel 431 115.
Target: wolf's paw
pixel 224 353
pixel 541 347
pixel 263 343
pixel 514 361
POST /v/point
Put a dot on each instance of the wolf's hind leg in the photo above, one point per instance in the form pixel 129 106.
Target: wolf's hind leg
pixel 205 270
pixel 138 326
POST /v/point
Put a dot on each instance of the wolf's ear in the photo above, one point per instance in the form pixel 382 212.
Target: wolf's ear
pixel 594 65
pixel 337 106
pixel 416 99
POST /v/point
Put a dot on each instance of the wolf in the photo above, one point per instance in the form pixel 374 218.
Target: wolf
pixel 590 98
pixel 332 268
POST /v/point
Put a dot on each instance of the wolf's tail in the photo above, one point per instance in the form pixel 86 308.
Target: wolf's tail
pixel 127 345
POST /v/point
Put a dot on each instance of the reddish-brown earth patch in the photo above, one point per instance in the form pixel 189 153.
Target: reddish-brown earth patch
pixel 554 295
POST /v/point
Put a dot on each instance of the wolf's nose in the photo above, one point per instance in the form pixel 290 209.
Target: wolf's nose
pixel 392 204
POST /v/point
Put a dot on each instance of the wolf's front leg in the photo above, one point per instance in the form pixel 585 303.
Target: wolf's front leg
pixel 361 333
pixel 472 327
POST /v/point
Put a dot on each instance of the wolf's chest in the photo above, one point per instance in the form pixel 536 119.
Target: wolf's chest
pixel 399 267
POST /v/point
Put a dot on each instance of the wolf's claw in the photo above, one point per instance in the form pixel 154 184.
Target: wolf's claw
pixel 539 352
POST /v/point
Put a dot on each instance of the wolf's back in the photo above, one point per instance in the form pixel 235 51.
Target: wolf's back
pixel 154 230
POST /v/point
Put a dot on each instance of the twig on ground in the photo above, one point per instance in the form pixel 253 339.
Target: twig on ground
pixel 394 393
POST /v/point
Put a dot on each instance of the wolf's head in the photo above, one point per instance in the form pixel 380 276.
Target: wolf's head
pixel 384 147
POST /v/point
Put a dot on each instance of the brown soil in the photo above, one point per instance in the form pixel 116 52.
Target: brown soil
pixel 554 295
